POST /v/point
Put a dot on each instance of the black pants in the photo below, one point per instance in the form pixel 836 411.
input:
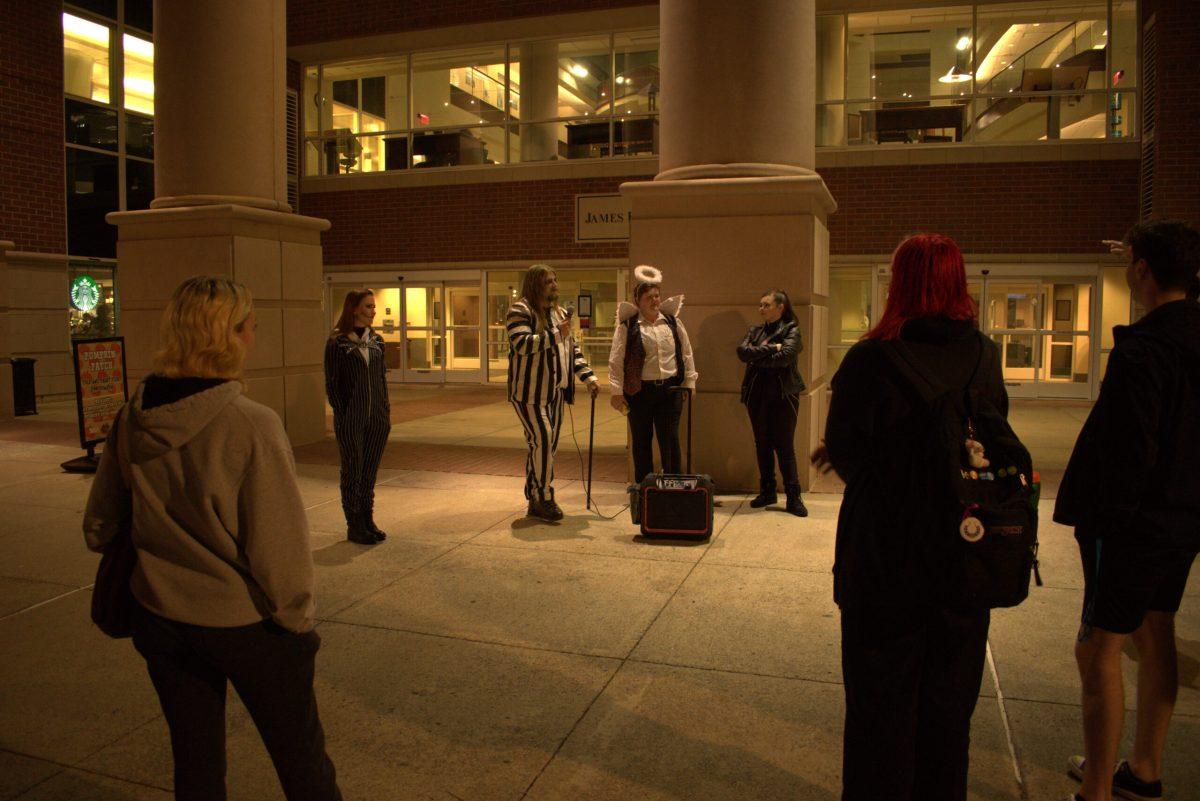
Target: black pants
pixel 655 411
pixel 361 437
pixel 912 679
pixel 272 671
pixel 773 418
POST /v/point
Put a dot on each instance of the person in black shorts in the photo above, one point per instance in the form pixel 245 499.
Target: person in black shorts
pixel 1130 491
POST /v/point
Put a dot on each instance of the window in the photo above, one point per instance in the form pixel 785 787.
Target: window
pixel 849 310
pixel 98 320
pixel 998 72
pixel 108 83
pixel 532 101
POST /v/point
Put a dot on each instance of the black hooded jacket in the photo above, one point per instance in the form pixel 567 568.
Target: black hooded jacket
pixel 876 425
pixel 1135 470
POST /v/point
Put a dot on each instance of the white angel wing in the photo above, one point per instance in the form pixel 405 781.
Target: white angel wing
pixel 626 311
pixel 672 305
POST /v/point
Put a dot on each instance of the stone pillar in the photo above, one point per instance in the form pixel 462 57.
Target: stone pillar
pixel 738 208
pixel 221 206
pixel 6 387
pixel 539 100
pixel 219 77
pixel 737 87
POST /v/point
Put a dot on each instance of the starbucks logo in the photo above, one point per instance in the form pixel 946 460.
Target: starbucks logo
pixel 85 293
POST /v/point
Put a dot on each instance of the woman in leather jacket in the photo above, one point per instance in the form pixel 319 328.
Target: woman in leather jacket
pixel 771 391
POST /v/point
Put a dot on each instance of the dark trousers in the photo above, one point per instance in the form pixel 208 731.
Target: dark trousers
pixel 773 418
pixel 912 678
pixel 655 412
pixel 361 437
pixel 272 671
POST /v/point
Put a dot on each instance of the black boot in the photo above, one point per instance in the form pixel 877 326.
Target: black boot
pixel 794 504
pixel 357 531
pixel 369 525
pixel 766 495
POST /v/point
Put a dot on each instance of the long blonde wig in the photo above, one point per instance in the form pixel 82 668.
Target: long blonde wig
pixel 200 328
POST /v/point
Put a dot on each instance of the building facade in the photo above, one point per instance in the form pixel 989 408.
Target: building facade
pixel 450 149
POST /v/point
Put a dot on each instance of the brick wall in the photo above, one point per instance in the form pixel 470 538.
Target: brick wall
pixel 1039 207
pixel 1177 133
pixel 472 222
pixel 32 202
pixel 1052 207
pixel 312 21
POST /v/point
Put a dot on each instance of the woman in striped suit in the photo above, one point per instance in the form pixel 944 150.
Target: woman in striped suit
pixel 543 361
pixel 356 385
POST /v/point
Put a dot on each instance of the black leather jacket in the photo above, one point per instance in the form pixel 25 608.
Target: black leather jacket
pixel 765 363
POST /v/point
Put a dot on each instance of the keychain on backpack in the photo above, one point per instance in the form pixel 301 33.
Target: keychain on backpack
pixel 971 528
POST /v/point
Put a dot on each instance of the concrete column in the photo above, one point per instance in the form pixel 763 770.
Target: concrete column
pixel 6 387
pixel 539 100
pixel 737 209
pixel 221 206
pixel 737 88
pixel 220 76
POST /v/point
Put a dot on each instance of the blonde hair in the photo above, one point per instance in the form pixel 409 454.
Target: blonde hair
pixel 200 327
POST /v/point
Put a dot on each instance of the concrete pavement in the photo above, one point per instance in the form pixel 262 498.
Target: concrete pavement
pixel 479 655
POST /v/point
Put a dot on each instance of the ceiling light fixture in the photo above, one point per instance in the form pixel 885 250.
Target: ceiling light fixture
pixel 579 71
pixel 963 43
pixel 955 75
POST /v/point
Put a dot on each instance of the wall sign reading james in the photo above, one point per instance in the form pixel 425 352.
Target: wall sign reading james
pixel 602 218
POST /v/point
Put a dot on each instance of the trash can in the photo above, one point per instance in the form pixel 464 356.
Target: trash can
pixel 24 392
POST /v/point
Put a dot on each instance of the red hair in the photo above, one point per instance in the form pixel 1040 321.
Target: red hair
pixel 928 280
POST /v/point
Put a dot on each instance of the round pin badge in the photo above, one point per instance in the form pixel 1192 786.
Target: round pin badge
pixel 971 529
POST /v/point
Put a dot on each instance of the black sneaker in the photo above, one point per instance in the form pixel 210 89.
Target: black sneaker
pixel 545 510
pixel 1125 783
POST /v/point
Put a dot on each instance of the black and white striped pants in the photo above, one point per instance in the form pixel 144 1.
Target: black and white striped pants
pixel 542 424
pixel 361 437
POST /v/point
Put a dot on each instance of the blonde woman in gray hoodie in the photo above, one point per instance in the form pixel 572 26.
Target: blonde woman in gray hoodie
pixel 205 478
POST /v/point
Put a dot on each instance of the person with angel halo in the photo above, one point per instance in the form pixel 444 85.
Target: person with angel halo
pixel 650 361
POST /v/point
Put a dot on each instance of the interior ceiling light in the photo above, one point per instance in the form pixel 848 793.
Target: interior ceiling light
pixel 80 28
pixel 955 76
pixel 620 79
pixel 579 71
pixel 963 43
pixel 139 48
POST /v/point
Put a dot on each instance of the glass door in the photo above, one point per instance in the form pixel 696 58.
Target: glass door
pixel 423 333
pixel 1013 316
pixel 463 312
pixel 1044 330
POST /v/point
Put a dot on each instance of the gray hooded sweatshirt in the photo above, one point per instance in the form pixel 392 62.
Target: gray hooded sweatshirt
pixel 208 484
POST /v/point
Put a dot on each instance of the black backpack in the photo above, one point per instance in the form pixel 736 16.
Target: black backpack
pixel 984 542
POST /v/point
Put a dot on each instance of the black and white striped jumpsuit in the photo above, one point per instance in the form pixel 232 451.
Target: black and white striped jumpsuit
pixel 356 385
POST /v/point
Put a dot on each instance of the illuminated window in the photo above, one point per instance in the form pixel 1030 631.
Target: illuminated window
pixel 1035 70
pixel 139 74
pixel 86 58
pixel 108 119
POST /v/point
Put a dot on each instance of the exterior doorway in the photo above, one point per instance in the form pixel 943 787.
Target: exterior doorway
pixel 431 329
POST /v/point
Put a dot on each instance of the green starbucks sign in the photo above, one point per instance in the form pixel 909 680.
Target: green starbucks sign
pixel 85 293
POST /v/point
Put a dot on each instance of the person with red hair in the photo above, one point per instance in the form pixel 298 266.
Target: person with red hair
pixel 912 652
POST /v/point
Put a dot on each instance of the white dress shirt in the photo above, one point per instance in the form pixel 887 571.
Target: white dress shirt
pixel 659 346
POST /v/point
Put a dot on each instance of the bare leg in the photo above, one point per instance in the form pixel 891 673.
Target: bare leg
pixel 1158 685
pixel 1099 657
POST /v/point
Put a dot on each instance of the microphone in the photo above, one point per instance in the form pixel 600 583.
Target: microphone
pixel 570 310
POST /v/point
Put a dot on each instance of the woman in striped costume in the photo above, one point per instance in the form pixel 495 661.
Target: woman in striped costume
pixel 356 385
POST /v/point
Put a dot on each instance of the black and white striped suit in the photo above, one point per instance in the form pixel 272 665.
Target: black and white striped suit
pixel 356 385
pixel 541 377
